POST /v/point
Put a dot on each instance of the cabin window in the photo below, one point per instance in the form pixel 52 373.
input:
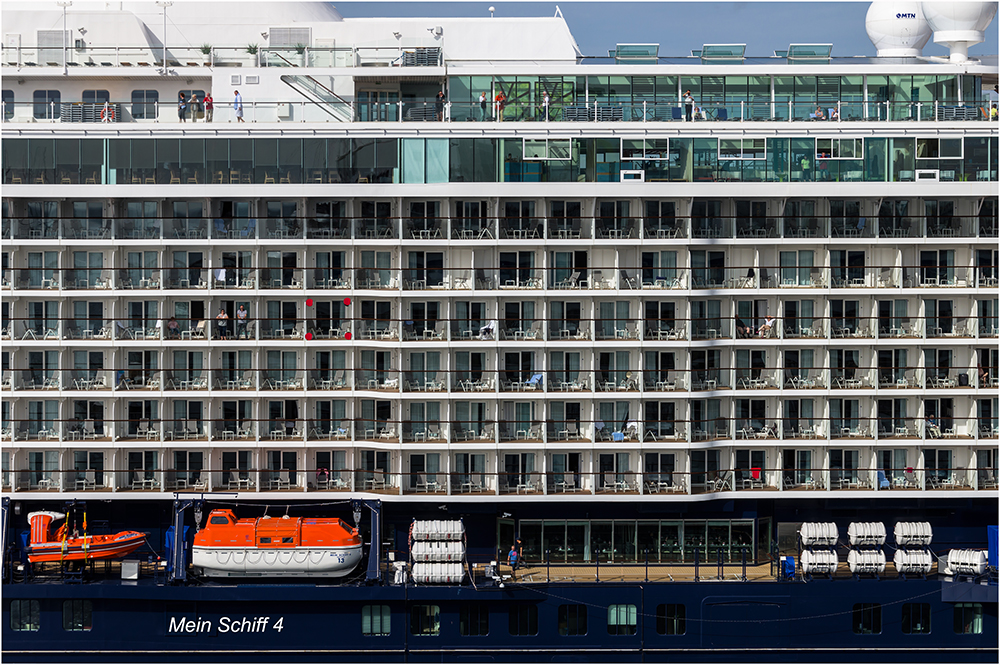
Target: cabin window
pixel 670 620
pixel 265 540
pixel 474 620
pixel 916 618
pixel 46 104
pixel 287 540
pixel 24 615
pixel 219 520
pixel 968 619
pixel 572 620
pixel 523 620
pixel 621 620
pixel 144 104
pixel 425 620
pixel 77 615
pixel 867 619
pixel 96 96
pixel 8 101
pixel 375 620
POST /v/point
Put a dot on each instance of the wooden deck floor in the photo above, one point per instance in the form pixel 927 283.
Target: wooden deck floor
pixel 636 573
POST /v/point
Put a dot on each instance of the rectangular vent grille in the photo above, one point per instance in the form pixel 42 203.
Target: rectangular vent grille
pixel 289 36
pixel 50 46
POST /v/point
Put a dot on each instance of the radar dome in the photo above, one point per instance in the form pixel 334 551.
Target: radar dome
pixel 959 25
pixel 897 29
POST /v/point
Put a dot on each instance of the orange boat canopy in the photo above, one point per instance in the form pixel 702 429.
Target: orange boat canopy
pixel 224 530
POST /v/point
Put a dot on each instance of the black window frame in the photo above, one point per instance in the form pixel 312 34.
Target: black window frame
pixel 866 619
pixel 384 620
pixel 46 105
pixel 572 620
pixel 916 618
pixel 78 615
pixel 960 618
pixel 522 620
pixel 144 105
pixel 422 619
pixel 623 628
pixel 671 619
pixel 33 609
pixel 98 96
pixel 8 104
pixel 474 620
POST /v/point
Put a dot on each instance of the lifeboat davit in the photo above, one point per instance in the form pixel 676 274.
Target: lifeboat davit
pixel 275 547
pixel 49 545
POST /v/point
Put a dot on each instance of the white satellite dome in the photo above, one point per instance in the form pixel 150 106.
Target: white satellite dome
pixel 959 25
pixel 897 29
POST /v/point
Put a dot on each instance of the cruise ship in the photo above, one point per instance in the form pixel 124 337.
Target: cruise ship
pixel 705 338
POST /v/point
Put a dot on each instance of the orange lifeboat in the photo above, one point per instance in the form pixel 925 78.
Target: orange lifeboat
pixel 47 545
pixel 275 547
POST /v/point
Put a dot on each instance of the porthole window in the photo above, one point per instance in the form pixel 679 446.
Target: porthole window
pixel 572 620
pixel 375 620
pixel 77 615
pixel 425 620
pixel 916 618
pixel 621 620
pixel 474 620
pixel 24 615
pixel 670 620
pixel 968 619
pixel 867 619
pixel 523 620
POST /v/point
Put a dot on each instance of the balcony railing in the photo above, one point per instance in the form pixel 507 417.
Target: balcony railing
pixel 429 109
pixel 659 482
pixel 233 329
pixel 743 422
pixel 616 229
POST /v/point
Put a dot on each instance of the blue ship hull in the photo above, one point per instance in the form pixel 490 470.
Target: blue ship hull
pixel 727 620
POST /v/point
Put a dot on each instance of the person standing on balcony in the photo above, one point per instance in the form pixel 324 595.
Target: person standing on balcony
pixel 209 107
pixel 501 102
pixel 181 107
pixel 195 106
pixel 483 102
pixel 545 106
pixel 688 105
pixel 223 320
pixel 241 322
pixel 439 106
pixel 238 105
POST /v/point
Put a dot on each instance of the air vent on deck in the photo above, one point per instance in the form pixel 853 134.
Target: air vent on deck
pixel 289 37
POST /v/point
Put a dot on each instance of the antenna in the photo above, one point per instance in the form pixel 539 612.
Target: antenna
pixel 558 13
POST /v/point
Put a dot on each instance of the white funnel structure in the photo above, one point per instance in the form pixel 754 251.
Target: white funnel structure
pixel 959 25
pixel 897 29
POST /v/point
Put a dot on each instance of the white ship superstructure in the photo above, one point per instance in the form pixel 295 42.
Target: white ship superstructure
pixel 579 286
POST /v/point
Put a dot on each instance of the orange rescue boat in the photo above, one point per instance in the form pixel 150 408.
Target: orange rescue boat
pixel 49 545
pixel 275 546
